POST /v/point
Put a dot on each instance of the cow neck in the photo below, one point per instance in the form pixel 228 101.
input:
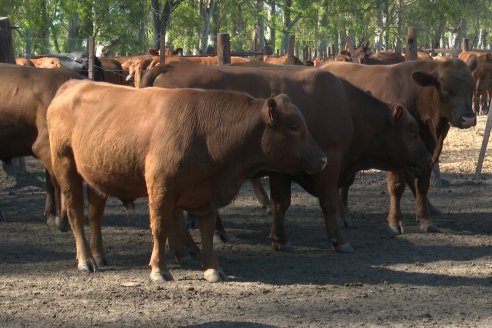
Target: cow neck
pixel 237 132
pixel 371 118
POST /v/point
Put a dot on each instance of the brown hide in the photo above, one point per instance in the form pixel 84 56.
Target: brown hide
pixel 351 127
pixel 483 78
pixel 436 93
pixel 24 62
pixel 113 71
pixel 46 62
pixel 25 94
pixel 282 60
pixel 185 149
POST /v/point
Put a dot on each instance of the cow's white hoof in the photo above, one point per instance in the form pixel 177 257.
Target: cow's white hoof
pixel 212 275
pixel 159 276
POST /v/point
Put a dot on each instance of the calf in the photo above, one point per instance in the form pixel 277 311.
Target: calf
pixel 186 149
pixel 353 128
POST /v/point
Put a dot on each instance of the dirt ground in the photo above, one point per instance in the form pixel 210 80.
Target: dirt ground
pixel 413 280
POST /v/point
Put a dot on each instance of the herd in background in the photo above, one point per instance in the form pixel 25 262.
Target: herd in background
pixel 395 124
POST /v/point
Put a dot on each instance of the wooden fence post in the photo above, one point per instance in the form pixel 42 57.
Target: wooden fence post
pixel 483 149
pixel 223 48
pixel 411 48
pixel 7 56
pixel 92 57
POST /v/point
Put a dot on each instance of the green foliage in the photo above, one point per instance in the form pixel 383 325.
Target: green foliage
pixel 126 25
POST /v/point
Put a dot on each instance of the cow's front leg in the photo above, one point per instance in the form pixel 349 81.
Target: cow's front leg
pixel 160 212
pixel 281 197
pixel 97 203
pixel 329 201
pixel 396 187
pixel 212 271
pixel 422 209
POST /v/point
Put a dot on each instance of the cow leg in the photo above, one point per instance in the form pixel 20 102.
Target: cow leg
pixel 97 202
pixel 180 240
pixel 343 214
pixel 422 208
pixel 281 197
pixel 160 221
pixel 55 210
pixel 212 271
pixel 261 194
pixel 396 187
pixel 329 201
pixel 220 233
pixel 71 187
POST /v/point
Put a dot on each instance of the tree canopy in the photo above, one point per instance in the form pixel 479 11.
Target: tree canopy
pixel 133 26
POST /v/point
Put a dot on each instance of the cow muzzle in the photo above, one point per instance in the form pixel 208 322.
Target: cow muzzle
pixel 466 121
pixel 315 164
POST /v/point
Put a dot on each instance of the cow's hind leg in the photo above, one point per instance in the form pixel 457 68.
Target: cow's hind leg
pixel 180 240
pixel 261 194
pixel 97 202
pixel 71 187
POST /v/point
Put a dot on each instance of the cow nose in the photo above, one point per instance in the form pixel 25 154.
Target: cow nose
pixel 469 120
pixel 324 161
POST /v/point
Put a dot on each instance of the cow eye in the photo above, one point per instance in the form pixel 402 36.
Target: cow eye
pixel 295 128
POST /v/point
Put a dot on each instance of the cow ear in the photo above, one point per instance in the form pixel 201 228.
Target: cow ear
pixel 397 112
pixel 424 79
pixel 271 111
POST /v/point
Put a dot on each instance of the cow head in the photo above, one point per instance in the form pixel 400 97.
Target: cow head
pixel 454 85
pixel 286 141
pixel 403 143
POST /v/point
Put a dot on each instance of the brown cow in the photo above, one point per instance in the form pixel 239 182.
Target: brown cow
pixel 112 71
pixel 437 94
pixel 185 149
pixel 483 78
pixel 26 93
pixel 23 62
pixel 282 60
pixel 354 129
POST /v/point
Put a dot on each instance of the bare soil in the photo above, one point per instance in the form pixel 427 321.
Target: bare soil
pixel 412 280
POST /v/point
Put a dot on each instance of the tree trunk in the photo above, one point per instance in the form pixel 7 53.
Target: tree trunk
pixel 261 25
pixel 271 25
pixel 287 25
pixel 73 32
pixel 161 18
pixel 206 11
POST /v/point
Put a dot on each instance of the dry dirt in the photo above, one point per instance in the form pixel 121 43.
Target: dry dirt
pixel 413 280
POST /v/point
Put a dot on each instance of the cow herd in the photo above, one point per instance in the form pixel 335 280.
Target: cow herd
pixel 192 132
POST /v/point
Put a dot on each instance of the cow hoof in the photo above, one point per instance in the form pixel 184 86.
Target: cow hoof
pixel 431 228
pixel 395 230
pixel 220 238
pixel 87 266
pixel 344 248
pixel 61 224
pixel 101 260
pixel 287 247
pixel 212 275
pixel 158 276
